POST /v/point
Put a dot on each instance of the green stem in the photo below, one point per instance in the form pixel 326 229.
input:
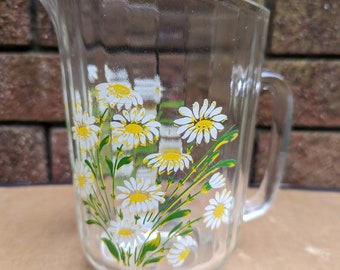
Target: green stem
pixel 197 180
pixel 95 217
pixel 179 231
pixel 106 217
pixel 113 174
pixel 104 200
pixel 205 157
pixel 213 148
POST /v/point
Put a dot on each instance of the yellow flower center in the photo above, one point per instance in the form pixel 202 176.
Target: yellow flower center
pixel 204 124
pixel 118 88
pixel 81 180
pixel 125 232
pixel 138 197
pixel 84 131
pixel 184 254
pixel 219 210
pixel 133 128
pixel 171 154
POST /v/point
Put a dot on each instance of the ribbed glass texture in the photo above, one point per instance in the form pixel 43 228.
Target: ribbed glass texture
pixel 160 100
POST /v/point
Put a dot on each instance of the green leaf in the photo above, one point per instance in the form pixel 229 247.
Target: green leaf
pixel 91 221
pixel 166 121
pixel 85 202
pixel 190 198
pixel 171 104
pixel 149 148
pixel 158 181
pixel 122 255
pixel 231 136
pixel 102 116
pixel 190 222
pixel 226 138
pixel 213 157
pixel 153 260
pixel 151 245
pixel 120 148
pixel 124 161
pixel 92 199
pixel 88 163
pixel 137 217
pixel 225 163
pixel 109 164
pixel 174 229
pixel 104 142
pixel 176 215
pixel 190 147
pixel 112 248
pixel 120 214
pixel 188 231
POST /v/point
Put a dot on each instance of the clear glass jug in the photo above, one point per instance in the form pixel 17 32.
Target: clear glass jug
pixel 161 99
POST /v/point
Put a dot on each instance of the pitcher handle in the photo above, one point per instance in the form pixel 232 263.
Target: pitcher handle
pixel 260 202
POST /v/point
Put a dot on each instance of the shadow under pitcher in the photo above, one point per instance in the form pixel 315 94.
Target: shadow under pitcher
pixel 161 99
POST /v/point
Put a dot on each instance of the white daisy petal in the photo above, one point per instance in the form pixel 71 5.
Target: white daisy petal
pixel 169 158
pixel 83 179
pixel 213 132
pixel 126 233
pixel 188 132
pixel 140 196
pixel 218 210
pixel 192 137
pixel 218 126
pixel 210 109
pixel 181 129
pixel 199 137
pixel 206 136
pixel 118 94
pixel 147 118
pixel 198 123
pixel 185 112
pixel 85 131
pixel 215 112
pixel 218 181
pixel 195 110
pixel 219 118
pixel 204 108
pixel 135 128
pixel 181 250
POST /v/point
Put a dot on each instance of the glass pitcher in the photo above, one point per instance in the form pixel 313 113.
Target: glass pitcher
pixel 161 99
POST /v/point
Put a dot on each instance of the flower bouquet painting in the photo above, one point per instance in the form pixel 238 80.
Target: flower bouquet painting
pixel 138 175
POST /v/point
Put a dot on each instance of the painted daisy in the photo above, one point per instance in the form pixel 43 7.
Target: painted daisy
pixel 181 250
pixel 139 195
pixel 83 179
pixel 126 232
pixel 118 95
pixel 218 210
pixel 216 181
pixel 85 131
pixel 135 127
pixel 200 123
pixel 169 158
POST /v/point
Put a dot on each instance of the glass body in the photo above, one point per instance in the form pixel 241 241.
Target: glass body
pixel 161 98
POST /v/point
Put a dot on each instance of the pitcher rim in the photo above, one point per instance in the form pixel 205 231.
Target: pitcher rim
pixel 253 4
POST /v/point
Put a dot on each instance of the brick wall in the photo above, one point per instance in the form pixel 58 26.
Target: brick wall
pixel 303 45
